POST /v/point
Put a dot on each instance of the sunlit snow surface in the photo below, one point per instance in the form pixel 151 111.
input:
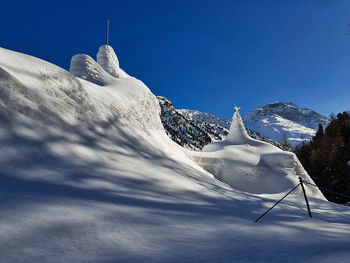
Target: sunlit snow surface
pixel 251 165
pixel 89 175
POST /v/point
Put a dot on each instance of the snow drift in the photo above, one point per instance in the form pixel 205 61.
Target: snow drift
pixel 88 174
pixel 108 60
pixel 84 67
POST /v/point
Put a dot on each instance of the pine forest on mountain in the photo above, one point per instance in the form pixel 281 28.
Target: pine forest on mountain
pixel 327 157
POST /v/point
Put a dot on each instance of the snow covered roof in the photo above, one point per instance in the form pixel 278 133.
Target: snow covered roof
pixel 251 165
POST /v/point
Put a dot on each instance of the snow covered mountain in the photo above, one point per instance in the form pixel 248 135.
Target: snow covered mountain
pixel 281 124
pixel 285 121
pixel 216 127
pixel 193 129
pixel 88 174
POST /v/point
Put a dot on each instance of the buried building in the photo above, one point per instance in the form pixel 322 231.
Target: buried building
pixel 251 165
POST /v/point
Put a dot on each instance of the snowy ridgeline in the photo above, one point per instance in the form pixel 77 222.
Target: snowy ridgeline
pixel 285 122
pixel 284 125
pixel 281 124
pixel 88 174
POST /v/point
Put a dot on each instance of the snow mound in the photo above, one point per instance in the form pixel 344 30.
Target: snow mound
pixel 83 66
pixel 251 165
pixel 43 93
pixel 108 60
pixel 128 98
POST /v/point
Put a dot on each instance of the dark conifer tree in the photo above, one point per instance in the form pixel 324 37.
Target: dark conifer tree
pixel 326 157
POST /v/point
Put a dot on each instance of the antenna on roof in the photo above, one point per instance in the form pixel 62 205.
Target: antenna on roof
pixel 107 32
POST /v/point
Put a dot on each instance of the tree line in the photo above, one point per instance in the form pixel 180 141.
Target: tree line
pixel 327 157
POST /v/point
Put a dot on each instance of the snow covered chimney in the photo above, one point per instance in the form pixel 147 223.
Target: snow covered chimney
pixel 108 60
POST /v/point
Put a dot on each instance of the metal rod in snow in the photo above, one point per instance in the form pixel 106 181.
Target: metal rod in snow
pixel 307 202
pixel 107 32
pixel 277 203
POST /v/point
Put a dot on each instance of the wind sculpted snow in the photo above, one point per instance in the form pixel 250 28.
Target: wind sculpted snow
pixel 89 175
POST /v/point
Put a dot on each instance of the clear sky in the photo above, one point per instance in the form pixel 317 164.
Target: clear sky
pixel 204 55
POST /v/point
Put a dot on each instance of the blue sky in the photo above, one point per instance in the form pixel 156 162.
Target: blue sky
pixel 204 55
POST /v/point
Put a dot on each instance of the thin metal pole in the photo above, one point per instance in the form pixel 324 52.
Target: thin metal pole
pixel 107 32
pixel 307 202
pixel 277 203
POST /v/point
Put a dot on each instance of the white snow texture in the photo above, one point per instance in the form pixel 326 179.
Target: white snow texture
pixel 251 165
pixel 89 175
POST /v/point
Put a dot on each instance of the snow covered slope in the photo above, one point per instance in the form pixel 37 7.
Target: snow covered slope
pixel 87 174
pixel 280 121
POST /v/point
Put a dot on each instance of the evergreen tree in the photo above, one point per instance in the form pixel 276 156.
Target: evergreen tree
pixel 327 155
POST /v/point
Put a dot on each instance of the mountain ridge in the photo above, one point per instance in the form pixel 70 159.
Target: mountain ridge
pixel 193 129
pixel 284 125
pixel 282 121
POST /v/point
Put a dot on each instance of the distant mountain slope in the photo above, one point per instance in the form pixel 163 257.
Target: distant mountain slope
pixel 180 129
pixel 216 127
pixel 193 129
pixel 285 121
